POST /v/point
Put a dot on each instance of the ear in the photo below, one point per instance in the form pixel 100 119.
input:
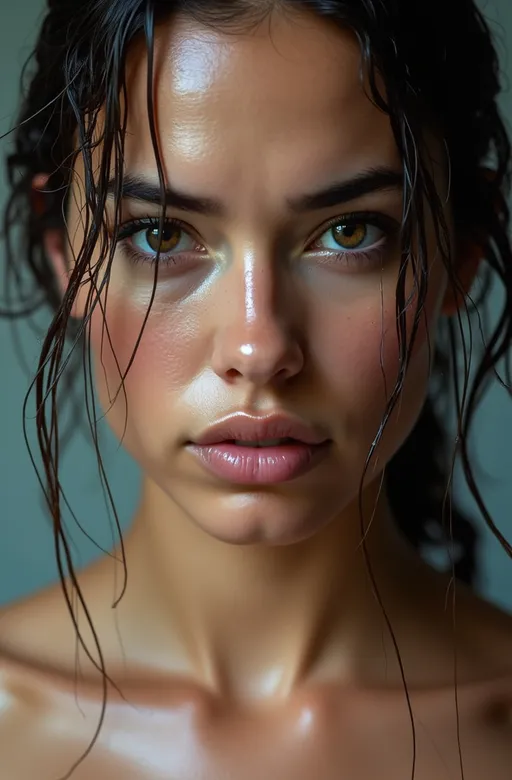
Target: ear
pixel 469 257
pixel 470 253
pixel 54 239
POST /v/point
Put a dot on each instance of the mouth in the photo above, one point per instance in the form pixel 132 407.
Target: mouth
pixel 271 431
pixel 248 451
pixel 262 444
pixel 259 463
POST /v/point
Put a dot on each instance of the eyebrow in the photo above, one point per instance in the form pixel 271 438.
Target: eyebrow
pixel 372 180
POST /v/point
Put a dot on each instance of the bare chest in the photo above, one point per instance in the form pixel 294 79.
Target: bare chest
pixel 323 738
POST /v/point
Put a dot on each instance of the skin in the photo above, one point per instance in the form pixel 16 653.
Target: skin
pixel 249 638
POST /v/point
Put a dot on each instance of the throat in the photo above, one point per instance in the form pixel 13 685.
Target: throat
pixel 256 621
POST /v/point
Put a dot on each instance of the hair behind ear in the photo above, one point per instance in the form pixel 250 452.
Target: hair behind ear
pixel 468 258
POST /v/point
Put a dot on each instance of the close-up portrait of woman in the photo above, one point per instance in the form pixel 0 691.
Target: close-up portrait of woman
pixel 266 245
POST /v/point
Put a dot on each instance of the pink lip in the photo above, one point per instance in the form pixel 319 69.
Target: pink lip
pixel 218 452
pixel 245 428
pixel 266 465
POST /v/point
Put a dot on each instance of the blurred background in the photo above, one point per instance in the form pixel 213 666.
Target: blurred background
pixel 27 560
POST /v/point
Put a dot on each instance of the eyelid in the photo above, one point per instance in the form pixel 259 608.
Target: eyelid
pixel 132 226
pixel 383 221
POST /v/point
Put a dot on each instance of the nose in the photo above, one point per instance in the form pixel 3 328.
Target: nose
pixel 257 335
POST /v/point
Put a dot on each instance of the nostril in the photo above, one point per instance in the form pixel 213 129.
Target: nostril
pixel 232 373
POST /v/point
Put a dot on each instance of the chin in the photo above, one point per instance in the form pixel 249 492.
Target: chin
pixel 263 518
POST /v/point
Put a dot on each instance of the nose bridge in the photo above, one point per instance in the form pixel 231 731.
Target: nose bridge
pixel 260 285
pixel 256 337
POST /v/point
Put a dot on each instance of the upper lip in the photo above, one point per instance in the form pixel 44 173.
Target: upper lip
pixel 246 428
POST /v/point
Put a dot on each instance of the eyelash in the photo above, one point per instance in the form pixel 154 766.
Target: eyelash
pixel 366 258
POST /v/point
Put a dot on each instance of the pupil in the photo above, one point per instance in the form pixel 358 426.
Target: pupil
pixel 166 234
pixel 351 234
pixel 169 236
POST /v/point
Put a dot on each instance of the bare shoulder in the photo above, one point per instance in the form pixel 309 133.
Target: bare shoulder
pixel 490 631
pixel 486 629
pixel 40 630
pixel 24 709
pixel 22 645
pixel 483 640
pixel 36 724
pixel 40 737
pixel 32 628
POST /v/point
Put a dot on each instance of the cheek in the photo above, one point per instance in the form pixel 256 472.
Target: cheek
pixel 358 350
pixel 359 355
pixel 355 340
pixel 166 358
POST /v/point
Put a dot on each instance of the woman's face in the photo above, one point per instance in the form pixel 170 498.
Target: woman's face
pixel 266 303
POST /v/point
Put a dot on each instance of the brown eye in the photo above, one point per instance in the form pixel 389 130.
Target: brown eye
pixel 350 235
pixel 144 238
pixel 170 235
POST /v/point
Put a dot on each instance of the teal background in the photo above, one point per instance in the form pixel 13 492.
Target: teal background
pixel 26 542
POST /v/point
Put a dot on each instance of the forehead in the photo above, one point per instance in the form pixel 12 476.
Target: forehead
pixel 259 109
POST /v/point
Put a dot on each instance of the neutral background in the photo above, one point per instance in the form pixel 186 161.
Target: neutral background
pixel 26 542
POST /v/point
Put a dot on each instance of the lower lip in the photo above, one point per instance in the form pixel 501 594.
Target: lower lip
pixel 259 465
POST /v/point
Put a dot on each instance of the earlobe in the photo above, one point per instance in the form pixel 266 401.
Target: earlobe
pixel 53 238
pixel 470 256
pixel 54 247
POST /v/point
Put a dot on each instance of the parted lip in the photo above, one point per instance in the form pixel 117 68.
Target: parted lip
pixel 246 428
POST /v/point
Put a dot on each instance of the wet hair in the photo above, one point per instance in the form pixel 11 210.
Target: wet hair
pixel 428 64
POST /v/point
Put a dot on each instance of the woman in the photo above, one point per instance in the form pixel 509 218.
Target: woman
pixel 257 219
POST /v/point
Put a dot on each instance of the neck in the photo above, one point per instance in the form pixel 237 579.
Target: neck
pixel 254 621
